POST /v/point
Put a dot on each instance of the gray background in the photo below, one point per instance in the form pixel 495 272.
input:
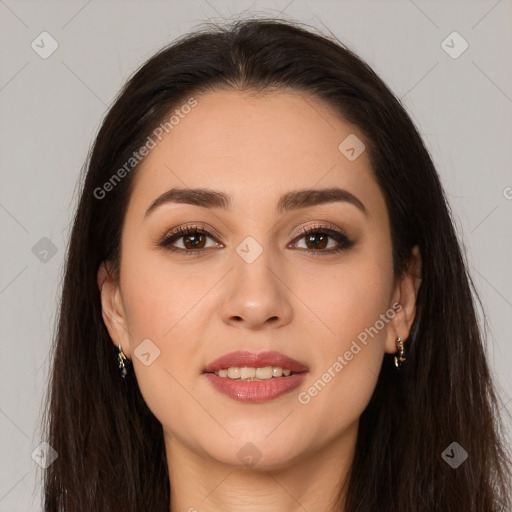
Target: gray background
pixel 51 109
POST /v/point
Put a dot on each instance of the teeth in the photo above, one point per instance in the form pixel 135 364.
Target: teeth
pixel 234 373
pixel 248 373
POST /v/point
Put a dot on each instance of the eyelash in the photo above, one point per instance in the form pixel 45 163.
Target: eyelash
pixel 182 231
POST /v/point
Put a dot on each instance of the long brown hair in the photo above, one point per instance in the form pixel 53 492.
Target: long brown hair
pixel 110 446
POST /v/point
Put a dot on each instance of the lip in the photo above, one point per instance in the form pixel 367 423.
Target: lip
pixel 256 391
pixel 242 358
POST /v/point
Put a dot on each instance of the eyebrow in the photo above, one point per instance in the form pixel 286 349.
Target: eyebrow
pixel 293 200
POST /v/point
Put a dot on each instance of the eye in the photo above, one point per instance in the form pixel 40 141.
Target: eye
pixel 316 239
pixel 193 239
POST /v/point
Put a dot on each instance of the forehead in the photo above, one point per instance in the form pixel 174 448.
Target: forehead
pixel 255 147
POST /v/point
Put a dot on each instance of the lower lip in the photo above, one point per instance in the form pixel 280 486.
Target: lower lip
pixel 256 391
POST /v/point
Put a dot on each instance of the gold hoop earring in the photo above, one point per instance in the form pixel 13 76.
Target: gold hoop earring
pixel 122 362
pixel 399 359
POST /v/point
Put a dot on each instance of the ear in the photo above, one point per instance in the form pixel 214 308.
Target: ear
pixel 112 308
pixel 404 298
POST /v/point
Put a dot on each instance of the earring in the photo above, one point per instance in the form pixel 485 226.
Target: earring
pixel 122 362
pixel 400 358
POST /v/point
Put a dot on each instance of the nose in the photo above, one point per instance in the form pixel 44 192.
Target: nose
pixel 256 295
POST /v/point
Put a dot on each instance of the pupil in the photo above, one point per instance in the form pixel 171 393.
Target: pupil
pixel 311 239
pixel 196 237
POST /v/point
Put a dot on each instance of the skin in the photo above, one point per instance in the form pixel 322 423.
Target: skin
pixel 308 306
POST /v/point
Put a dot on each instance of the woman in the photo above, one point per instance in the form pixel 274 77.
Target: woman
pixel 264 251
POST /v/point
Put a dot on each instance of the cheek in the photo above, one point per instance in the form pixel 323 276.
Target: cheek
pixel 353 314
pixel 160 294
pixel 166 321
pixel 167 328
pixel 342 300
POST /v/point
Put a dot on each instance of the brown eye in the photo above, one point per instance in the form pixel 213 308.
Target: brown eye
pixel 317 240
pixel 197 241
pixel 194 240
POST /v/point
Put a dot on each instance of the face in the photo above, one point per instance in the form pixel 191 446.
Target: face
pixel 255 281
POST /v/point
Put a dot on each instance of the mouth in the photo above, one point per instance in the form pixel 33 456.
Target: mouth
pixel 255 378
pixel 247 365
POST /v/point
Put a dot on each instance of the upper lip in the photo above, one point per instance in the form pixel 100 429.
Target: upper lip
pixel 242 358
